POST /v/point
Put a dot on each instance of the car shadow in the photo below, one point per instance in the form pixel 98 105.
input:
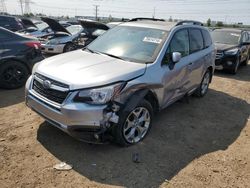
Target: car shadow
pixel 243 74
pixel 181 133
pixel 11 97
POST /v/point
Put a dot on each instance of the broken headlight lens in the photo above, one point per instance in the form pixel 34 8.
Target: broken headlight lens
pixel 99 95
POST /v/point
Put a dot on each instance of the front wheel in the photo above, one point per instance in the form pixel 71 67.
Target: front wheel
pixel 246 61
pixel 204 85
pixel 69 47
pixel 236 66
pixel 133 126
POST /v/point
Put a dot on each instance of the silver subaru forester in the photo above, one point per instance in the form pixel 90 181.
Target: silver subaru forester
pixel 116 84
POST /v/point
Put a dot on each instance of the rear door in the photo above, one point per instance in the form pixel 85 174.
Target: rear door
pixel 2 45
pixel 196 58
pixel 9 43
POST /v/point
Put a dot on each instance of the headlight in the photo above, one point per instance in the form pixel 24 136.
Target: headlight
pixel 99 95
pixel 53 42
pixel 232 51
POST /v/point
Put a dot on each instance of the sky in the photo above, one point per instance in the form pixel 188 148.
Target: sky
pixel 229 11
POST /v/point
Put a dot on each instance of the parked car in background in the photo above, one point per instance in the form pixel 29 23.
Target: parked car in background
pixel 62 39
pixel 92 30
pixel 40 29
pixel 18 54
pixel 117 83
pixel 72 37
pixel 11 23
pixel 113 24
pixel 232 49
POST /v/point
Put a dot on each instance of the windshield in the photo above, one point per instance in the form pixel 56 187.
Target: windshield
pixel 136 44
pixel 225 37
pixel 41 25
pixel 74 29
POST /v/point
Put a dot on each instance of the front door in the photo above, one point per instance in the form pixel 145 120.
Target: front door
pixel 176 75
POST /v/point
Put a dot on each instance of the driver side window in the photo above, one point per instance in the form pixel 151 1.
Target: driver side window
pixel 179 43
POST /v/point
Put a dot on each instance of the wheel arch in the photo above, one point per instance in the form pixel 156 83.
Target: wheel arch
pixel 138 95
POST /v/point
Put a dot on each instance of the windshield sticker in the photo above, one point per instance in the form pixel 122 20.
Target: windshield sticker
pixel 235 34
pixel 152 40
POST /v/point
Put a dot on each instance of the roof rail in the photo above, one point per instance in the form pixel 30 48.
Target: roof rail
pixel 151 19
pixel 189 22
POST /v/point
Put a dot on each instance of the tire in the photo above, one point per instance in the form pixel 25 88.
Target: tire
pixel 246 61
pixel 122 130
pixel 13 75
pixel 204 85
pixel 69 47
pixel 236 66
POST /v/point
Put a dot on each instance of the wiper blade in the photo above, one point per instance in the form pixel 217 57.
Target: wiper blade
pixel 114 56
pixel 92 51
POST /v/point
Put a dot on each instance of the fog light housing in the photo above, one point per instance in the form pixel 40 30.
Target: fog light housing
pixel 229 63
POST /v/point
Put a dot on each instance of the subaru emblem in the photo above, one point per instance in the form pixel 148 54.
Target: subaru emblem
pixel 46 84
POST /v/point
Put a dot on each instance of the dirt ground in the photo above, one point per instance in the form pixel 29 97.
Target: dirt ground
pixel 201 143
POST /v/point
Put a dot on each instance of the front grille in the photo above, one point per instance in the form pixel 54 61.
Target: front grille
pixel 219 55
pixel 52 81
pixel 51 94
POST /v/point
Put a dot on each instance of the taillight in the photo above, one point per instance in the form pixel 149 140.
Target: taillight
pixel 36 45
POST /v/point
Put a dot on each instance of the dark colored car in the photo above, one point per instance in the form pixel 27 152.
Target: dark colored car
pixel 11 23
pixel 232 49
pixel 18 54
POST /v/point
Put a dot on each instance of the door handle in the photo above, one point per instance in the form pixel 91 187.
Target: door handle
pixel 190 64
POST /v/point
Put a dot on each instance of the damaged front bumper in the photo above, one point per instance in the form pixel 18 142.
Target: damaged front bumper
pixel 72 117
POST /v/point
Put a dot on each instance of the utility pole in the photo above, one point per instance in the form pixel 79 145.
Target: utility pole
pixel 27 6
pixel 3 8
pixel 154 13
pixel 21 4
pixel 96 11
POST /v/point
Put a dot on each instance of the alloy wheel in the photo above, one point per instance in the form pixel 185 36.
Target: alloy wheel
pixel 137 125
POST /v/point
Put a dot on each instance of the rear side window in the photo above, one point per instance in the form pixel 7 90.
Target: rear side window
pixel 196 40
pixel 207 38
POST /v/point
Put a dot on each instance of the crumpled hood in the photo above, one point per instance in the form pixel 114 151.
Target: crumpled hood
pixel 223 47
pixel 80 69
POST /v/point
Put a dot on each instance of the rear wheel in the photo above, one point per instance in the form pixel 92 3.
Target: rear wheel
pixel 133 126
pixel 13 75
pixel 69 47
pixel 204 85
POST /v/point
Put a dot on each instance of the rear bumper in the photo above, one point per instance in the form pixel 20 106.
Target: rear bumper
pixel 53 49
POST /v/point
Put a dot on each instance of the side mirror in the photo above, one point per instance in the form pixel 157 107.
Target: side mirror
pixel 176 57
